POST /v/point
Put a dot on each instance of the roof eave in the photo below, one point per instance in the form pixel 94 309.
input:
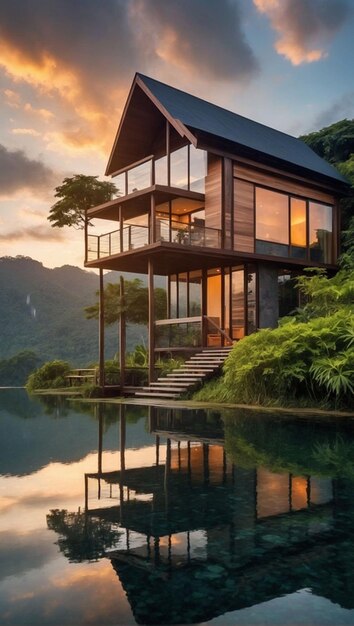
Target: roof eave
pixel 182 130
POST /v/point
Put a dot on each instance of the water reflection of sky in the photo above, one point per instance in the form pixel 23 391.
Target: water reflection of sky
pixel 39 585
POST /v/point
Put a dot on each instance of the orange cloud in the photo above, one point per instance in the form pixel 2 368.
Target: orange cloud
pixel 26 131
pixel 304 27
pixel 44 113
pixel 49 75
pixel 13 98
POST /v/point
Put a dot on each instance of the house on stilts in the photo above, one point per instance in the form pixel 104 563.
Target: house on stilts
pixel 227 209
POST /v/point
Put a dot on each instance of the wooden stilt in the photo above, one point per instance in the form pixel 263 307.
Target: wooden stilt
pixel 101 332
pixel 122 336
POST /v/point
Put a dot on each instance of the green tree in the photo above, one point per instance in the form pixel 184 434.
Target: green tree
pixel 335 143
pixel 82 538
pixel 76 195
pixel 134 303
pixel 15 370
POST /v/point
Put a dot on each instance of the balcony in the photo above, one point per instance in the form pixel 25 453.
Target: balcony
pixel 133 237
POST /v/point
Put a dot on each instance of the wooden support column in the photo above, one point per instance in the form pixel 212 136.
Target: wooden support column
pixel 122 436
pixel 152 218
pixel 168 151
pixel 204 308
pixel 121 242
pixel 122 336
pixel 86 235
pixel 151 326
pixel 101 332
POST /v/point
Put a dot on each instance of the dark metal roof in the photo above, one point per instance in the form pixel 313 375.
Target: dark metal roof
pixel 209 118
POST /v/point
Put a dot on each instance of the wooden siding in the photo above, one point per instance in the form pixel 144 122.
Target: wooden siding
pixel 228 204
pixel 213 193
pixel 281 184
pixel 243 216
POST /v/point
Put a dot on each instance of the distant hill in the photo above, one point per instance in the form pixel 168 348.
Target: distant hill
pixel 42 309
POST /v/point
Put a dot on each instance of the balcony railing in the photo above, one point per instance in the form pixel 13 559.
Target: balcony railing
pixel 189 332
pixel 133 236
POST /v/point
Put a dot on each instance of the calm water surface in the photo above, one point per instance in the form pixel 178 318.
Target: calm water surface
pixel 131 515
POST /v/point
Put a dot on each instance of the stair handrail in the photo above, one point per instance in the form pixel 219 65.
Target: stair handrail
pixel 220 330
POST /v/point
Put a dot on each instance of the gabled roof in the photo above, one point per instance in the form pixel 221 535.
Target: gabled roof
pixel 191 116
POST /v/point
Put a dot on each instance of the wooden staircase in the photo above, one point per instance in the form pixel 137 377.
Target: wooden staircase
pixel 192 373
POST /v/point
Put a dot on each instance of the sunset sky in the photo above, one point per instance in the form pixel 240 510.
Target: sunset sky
pixel 66 67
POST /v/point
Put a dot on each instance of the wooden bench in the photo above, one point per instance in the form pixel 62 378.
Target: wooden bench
pixel 80 376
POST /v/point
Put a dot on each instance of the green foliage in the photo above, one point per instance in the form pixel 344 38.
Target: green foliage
pixel 82 538
pixel 309 357
pixel 15 371
pixel 50 376
pixel 335 143
pixel 134 303
pixel 138 358
pixel 58 297
pixel 300 447
pixel 76 194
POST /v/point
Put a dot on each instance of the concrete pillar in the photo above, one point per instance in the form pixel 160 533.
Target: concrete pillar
pixel 268 299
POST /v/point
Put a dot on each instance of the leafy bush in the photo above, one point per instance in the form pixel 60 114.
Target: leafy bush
pixel 308 359
pixel 50 376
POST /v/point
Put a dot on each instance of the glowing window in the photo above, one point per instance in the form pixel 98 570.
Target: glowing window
pixel 272 216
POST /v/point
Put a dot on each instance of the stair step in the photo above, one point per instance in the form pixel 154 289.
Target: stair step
pixel 172 381
pixel 168 386
pixel 157 394
pixel 182 379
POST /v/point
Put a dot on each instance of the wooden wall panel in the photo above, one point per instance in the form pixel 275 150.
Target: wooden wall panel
pixel 228 203
pixel 243 216
pixel 269 180
pixel 213 193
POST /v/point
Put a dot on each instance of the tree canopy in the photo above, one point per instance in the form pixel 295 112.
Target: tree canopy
pixel 76 195
pixel 134 303
pixel 335 144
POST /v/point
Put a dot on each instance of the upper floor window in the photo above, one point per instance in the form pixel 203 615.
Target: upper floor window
pixel 272 216
pixel 320 232
pixel 179 168
pixel 290 226
pixel 197 169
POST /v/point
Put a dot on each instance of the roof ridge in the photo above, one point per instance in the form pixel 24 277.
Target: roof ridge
pixel 248 119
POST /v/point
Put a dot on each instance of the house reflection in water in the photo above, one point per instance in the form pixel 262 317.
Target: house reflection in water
pixel 203 536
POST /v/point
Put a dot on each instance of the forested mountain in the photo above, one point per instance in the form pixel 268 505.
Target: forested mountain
pixel 42 310
pixel 335 143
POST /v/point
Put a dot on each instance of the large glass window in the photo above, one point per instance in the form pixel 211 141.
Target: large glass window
pixel 195 293
pixel 272 216
pixel 320 232
pixel 238 303
pixel 251 300
pixel 183 295
pixel 198 169
pixel 119 181
pixel 179 168
pixel 288 294
pixel 173 297
pixel 298 228
pixel 298 222
pixel 161 171
pixel 139 177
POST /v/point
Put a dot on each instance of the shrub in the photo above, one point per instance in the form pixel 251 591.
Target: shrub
pixel 50 376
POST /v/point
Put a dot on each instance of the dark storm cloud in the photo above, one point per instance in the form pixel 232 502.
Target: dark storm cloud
pixel 106 41
pixel 18 172
pixel 202 37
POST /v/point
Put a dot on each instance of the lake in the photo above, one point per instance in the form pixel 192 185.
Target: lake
pixel 125 514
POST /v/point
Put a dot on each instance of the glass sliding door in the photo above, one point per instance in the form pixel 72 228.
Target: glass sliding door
pixel 214 306
pixel 238 302
pixel 251 286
